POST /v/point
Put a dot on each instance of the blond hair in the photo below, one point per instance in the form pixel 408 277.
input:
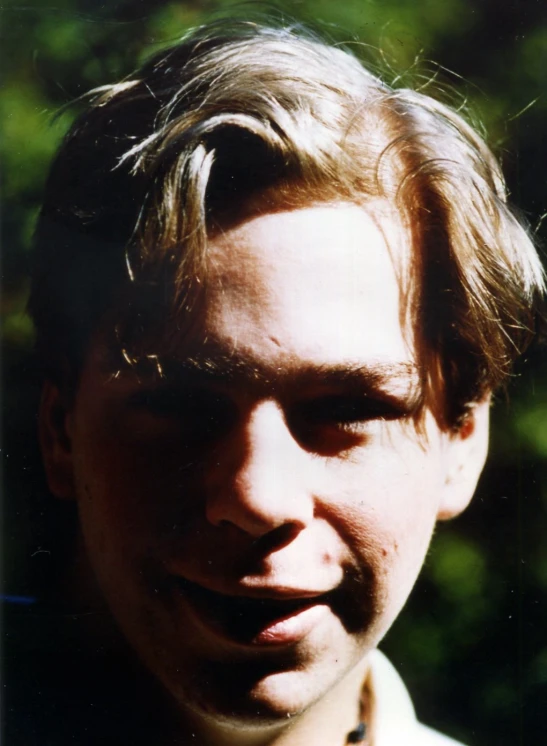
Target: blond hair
pixel 238 110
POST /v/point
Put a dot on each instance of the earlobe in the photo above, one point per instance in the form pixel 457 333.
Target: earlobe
pixel 55 442
pixel 465 457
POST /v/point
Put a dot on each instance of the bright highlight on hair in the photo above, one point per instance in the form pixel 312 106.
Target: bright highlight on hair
pixel 237 113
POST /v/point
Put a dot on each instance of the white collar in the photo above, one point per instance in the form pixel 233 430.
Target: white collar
pixel 393 719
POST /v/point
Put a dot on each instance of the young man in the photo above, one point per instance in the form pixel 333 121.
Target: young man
pixel 272 298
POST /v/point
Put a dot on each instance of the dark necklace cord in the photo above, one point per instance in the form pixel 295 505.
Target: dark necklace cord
pixel 358 735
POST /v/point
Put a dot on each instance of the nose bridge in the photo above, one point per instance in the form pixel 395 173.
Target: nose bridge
pixel 268 444
pixel 262 480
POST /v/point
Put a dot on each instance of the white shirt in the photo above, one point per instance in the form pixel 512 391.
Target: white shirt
pixel 393 720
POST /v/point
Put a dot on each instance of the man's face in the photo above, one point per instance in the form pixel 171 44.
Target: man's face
pixel 257 511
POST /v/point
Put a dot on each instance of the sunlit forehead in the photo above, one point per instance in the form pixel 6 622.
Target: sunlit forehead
pixel 320 282
pixel 307 294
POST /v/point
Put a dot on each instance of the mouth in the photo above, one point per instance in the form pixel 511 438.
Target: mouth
pixel 255 621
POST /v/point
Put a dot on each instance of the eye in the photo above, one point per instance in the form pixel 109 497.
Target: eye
pixel 338 422
pixel 199 416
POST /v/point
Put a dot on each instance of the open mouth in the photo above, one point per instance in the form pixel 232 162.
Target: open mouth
pixel 257 621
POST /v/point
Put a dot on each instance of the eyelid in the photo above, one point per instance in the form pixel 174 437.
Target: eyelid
pixel 176 399
pixel 352 408
pixel 147 397
pixel 333 424
pixel 196 418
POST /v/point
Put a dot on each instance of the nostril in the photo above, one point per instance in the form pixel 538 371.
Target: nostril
pixel 277 538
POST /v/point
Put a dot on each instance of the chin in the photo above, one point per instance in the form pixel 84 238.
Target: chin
pixel 258 691
pixel 260 703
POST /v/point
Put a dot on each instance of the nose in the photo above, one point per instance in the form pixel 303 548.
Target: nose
pixel 261 479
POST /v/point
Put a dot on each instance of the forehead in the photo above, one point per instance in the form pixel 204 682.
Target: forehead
pixel 299 294
pixel 323 280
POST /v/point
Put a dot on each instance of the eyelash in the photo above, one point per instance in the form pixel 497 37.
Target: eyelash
pixel 349 416
pixel 347 409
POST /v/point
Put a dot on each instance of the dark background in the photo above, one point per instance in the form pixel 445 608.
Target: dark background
pixel 472 643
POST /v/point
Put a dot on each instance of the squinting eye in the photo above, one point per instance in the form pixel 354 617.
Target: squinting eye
pixel 199 416
pixel 344 410
pixel 335 422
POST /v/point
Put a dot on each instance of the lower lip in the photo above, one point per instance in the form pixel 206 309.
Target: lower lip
pixel 292 628
pixel 288 629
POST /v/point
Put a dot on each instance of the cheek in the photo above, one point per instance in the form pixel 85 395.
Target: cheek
pixel 124 519
pixel 386 514
pixel 123 491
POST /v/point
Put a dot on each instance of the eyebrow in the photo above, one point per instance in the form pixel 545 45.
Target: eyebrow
pixel 238 366
pixel 211 363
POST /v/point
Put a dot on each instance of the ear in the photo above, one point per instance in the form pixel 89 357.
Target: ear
pixel 55 441
pixel 465 457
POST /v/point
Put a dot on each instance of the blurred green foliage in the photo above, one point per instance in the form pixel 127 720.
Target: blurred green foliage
pixel 472 642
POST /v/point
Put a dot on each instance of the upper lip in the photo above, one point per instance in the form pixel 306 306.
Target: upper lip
pixel 258 592
pixel 243 613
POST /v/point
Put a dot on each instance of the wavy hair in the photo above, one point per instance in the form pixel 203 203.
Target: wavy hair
pixel 237 111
